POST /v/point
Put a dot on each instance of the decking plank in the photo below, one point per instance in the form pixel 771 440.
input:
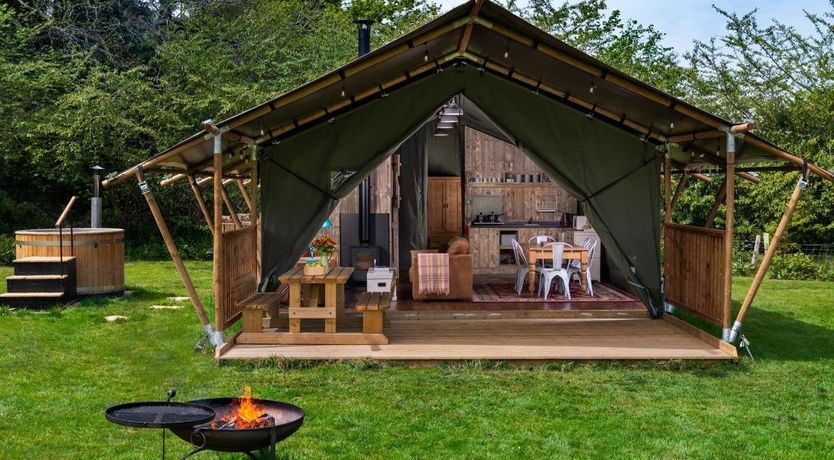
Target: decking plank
pixel 535 339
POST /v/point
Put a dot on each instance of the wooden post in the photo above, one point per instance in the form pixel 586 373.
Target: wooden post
pixel 230 207
pixel 678 190
pixel 172 249
pixel 756 247
pixel 667 189
pixel 218 235
pixel 729 229
pixel 768 258
pixel 201 201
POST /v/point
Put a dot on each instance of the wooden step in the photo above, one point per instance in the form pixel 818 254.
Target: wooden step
pixel 33 299
pixel 39 265
pixel 37 283
pixel 42 259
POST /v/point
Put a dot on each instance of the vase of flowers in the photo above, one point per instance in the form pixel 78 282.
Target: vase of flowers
pixel 324 246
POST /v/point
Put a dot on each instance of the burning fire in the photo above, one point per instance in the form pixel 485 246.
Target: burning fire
pixel 246 415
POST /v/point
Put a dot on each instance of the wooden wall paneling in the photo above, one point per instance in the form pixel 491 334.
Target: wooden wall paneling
pixel 694 270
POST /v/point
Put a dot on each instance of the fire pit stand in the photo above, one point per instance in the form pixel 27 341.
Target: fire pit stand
pixel 159 414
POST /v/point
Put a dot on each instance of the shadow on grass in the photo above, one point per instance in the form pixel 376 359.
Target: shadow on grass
pixel 775 336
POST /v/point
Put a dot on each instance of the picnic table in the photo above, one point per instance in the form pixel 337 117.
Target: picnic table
pixel 308 291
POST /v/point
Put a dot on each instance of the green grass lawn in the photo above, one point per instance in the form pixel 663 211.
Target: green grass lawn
pixel 60 369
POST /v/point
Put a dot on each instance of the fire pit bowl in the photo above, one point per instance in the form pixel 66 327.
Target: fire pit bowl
pixel 288 419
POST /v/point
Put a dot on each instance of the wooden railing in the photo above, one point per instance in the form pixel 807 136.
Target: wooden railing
pixel 694 270
pixel 239 277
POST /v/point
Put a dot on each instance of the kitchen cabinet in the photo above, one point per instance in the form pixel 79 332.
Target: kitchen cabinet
pixel 443 210
pixel 484 245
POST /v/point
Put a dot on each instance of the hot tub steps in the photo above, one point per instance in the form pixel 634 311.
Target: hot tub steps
pixel 40 282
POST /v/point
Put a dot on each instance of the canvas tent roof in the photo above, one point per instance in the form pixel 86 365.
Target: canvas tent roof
pixel 479 33
pixel 601 145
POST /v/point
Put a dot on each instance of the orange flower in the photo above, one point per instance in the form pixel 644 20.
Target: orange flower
pixel 324 244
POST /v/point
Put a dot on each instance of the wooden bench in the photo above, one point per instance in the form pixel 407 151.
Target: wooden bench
pixel 257 307
pixel 373 306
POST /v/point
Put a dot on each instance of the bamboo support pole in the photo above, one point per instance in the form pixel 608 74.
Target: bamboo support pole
pixel 768 258
pixel 729 232
pixel 467 30
pixel 230 207
pixel 719 199
pixel 172 250
pixel 679 189
pixel 198 195
pixel 66 211
pixel 245 195
pixel 667 189
pixel 217 265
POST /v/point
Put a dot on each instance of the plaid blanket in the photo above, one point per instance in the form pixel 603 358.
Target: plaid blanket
pixel 433 273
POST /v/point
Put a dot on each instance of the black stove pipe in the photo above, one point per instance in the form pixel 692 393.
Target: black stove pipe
pixel 364 36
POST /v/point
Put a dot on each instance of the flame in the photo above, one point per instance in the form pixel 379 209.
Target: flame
pixel 246 415
pixel 247 411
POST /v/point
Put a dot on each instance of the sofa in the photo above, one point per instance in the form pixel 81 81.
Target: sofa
pixel 460 272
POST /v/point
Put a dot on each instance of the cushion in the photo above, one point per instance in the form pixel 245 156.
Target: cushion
pixel 458 245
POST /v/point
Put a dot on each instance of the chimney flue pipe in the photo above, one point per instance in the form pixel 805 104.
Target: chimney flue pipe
pixel 95 201
pixel 364 40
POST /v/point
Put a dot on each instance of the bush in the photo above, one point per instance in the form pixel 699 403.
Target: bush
pixel 193 250
pixel 826 273
pixel 796 266
pixel 6 249
pixel 742 265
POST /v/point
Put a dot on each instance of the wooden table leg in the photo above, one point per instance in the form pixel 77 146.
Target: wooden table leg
pixel 295 302
pixel 531 276
pixel 583 279
pixel 330 304
pixel 295 295
pixel 340 301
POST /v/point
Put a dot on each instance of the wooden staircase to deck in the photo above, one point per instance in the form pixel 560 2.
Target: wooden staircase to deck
pixel 40 282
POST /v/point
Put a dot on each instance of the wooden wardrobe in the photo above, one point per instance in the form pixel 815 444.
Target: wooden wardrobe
pixel 444 217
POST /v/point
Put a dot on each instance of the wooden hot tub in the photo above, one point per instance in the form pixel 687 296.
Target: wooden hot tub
pixel 99 253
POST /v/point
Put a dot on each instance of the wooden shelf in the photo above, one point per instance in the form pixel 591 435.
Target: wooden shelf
pixel 512 184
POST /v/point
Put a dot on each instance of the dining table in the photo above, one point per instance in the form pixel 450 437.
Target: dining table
pixel 536 252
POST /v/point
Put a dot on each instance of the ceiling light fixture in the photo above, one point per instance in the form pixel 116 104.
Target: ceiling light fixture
pixel 453 109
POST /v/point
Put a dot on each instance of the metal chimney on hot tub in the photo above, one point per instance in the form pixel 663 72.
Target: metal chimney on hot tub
pixel 95 201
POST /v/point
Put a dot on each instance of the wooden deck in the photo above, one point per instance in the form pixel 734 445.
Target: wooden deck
pixel 509 339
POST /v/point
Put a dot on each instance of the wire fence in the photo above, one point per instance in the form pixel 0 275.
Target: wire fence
pixel 821 253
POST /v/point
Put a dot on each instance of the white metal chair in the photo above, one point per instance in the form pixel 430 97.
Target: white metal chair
pixel 575 268
pixel 541 239
pixel 587 242
pixel 522 267
pixel 558 271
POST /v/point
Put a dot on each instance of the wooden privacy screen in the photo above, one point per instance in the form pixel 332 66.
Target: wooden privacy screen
pixel 239 277
pixel 694 270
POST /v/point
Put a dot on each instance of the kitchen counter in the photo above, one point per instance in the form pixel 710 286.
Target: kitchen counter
pixel 519 224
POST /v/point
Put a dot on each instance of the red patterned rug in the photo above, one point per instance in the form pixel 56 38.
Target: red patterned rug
pixel 505 293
